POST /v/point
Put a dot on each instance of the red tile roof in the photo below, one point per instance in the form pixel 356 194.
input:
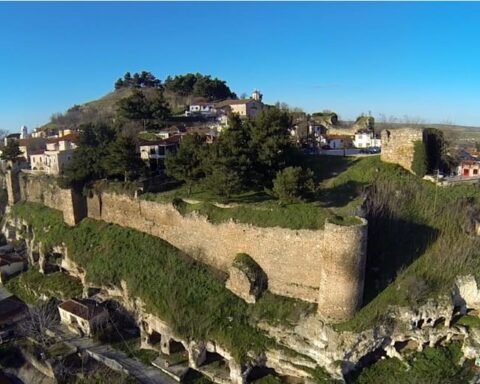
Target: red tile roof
pixel 73 137
pixel 85 309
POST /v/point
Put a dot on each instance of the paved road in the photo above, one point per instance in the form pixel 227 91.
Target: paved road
pixel 143 373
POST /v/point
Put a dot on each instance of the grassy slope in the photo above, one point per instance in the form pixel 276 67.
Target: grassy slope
pixel 105 107
pixel 187 294
pixel 30 285
pixel 420 237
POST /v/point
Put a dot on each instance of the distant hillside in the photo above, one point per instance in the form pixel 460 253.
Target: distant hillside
pixel 179 92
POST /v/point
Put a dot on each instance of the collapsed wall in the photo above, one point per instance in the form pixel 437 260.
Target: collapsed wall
pixel 321 266
pixel 398 146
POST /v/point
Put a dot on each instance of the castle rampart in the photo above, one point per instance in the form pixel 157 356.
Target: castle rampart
pixel 323 266
pixel 398 146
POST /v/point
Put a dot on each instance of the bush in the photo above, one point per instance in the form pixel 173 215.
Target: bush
pixel 419 162
pixel 293 184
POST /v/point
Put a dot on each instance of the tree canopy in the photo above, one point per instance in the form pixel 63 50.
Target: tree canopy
pixel 187 164
pixel 199 85
pixel 248 154
pixel 123 160
pixel 230 164
pixel 138 80
pixel 150 112
pixel 272 143
pixel 11 151
pixel 87 162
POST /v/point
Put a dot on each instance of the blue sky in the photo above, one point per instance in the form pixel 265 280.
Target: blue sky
pixel 416 59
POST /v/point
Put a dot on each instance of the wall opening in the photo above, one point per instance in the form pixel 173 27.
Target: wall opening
pixel 259 373
pixel 215 366
pixel 154 338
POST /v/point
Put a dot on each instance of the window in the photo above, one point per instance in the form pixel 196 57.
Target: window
pixel 475 171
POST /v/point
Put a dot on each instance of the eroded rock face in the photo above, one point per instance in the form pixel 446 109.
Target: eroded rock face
pixel 466 293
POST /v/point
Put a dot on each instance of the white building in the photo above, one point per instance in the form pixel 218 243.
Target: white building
pixel 58 153
pixel 154 152
pixel 338 141
pixel 207 109
pixel 82 316
pixel 366 139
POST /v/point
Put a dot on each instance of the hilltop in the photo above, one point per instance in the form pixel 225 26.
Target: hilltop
pixel 178 92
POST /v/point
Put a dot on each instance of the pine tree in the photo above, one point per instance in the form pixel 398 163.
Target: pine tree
pixel 123 160
pixel 135 107
pixel 187 164
pixel 11 151
pixel 87 161
pixel 230 161
pixel 272 144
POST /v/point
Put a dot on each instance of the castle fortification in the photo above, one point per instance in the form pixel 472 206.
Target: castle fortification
pixel 398 146
pixel 322 266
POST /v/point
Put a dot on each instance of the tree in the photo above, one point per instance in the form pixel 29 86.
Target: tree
pixel 199 85
pixel 435 150
pixel 293 184
pixel 137 107
pixel 272 144
pixel 159 108
pixel 40 318
pixel 419 162
pixel 229 166
pixel 223 181
pixel 123 160
pixel 87 160
pixel 187 164
pixel 119 84
pixel 11 151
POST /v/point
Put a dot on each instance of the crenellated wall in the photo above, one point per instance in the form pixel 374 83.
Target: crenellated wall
pixel 322 266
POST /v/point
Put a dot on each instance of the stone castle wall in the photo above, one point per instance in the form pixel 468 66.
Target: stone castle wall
pixel 398 146
pixel 322 266
pixel 45 190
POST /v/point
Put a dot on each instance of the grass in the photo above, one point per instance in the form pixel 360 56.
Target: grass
pixel 469 321
pixel 31 285
pixel 420 237
pixel 280 310
pixel 432 365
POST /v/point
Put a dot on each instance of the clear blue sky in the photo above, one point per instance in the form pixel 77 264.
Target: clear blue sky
pixel 417 59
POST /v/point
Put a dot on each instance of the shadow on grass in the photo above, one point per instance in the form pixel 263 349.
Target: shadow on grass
pixel 325 167
pixel 393 244
pixel 341 195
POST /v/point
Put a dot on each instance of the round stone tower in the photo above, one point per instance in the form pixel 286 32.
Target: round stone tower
pixel 342 270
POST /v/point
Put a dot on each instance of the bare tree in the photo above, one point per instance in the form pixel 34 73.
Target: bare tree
pixel 40 318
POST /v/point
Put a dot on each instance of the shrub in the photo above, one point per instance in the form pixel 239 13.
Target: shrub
pixel 269 379
pixel 292 184
pixel 419 162
pixel 432 365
